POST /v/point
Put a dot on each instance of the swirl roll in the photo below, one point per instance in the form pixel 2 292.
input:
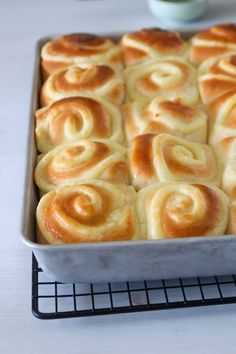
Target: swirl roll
pixel 85 159
pixel 93 211
pixel 171 77
pixel 166 158
pixel 222 123
pixel 75 118
pixel 150 43
pixel 163 115
pixel 215 41
pixel 217 78
pixel 182 210
pixel 79 48
pixel 94 81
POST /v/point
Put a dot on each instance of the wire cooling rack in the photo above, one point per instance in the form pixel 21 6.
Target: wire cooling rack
pixel 52 300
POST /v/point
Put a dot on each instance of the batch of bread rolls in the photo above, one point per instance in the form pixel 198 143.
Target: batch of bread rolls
pixel 137 137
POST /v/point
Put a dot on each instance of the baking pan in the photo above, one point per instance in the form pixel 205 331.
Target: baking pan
pixel 118 261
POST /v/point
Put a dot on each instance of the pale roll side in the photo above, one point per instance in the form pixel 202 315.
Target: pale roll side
pixel 231 229
pixel 229 173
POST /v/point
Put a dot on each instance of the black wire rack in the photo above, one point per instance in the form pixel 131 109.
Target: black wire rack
pixel 53 300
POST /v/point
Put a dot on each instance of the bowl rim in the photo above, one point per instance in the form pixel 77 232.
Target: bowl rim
pixel 179 2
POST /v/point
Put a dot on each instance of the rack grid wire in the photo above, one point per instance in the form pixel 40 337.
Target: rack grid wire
pixel 54 300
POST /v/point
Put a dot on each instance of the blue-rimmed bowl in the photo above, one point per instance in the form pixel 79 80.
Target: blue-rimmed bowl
pixel 178 10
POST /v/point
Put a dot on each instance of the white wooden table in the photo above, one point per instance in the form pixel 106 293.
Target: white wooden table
pixel 199 330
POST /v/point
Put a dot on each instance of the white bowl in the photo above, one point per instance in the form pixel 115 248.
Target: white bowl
pixel 177 10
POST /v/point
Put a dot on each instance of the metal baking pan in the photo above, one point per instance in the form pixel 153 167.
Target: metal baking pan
pixel 119 261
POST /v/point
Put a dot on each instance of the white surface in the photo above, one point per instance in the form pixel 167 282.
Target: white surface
pixel 200 330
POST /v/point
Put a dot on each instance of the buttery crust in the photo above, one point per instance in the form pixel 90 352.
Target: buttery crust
pixel 74 118
pixel 85 170
pixel 171 77
pixel 214 42
pixel 93 211
pixel 94 81
pixel 79 48
pixel 165 115
pixel 217 77
pixel 166 158
pixel 222 124
pixel 151 43
pixel 182 210
pixel 82 160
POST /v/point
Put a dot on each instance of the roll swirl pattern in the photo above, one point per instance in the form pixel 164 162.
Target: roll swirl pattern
pixel 222 123
pixel 151 43
pixel 79 48
pixel 166 158
pixel 95 81
pixel 171 77
pixel 75 118
pixel 163 115
pixel 178 210
pixel 217 77
pixel 93 211
pixel 215 41
pixel 80 160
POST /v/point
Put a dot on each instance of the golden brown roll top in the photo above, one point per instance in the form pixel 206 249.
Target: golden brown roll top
pixel 96 81
pixel 171 77
pixel 222 123
pixel 150 43
pixel 215 41
pixel 218 90
pixel 80 160
pixel 182 210
pixel 166 158
pixel 75 118
pixel 217 78
pixel 94 211
pixel 79 48
pixel 163 115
